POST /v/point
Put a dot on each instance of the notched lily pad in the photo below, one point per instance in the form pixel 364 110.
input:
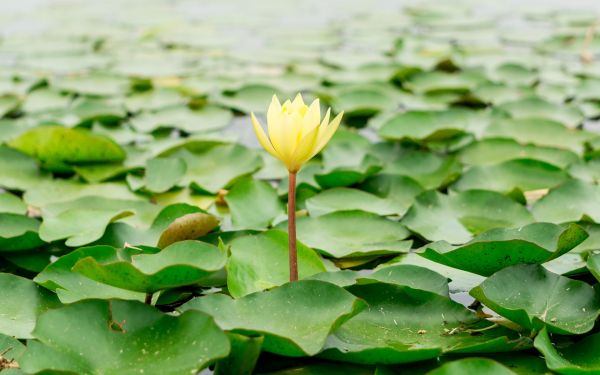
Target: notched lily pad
pixel 96 336
pixel 352 234
pixel 534 298
pixel 292 317
pixel 259 262
pixel 182 263
pixel 574 358
pixel 499 248
pixel 56 147
pixel 22 302
pixel 403 325
pixel 455 218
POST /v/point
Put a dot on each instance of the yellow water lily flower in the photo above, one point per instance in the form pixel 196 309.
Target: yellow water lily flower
pixel 296 132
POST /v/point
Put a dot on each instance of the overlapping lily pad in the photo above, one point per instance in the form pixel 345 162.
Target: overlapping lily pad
pixel 22 302
pixel 536 298
pixel 496 249
pixel 259 262
pixel 573 358
pixel 457 217
pixel 291 317
pixel 403 324
pixel 182 263
pixel 128 337
pixel 352 234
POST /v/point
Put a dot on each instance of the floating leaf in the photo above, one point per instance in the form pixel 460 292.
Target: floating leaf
pixel 182 263
pixel 500 248
pixel 253 204
pixel 290 317
pixel 187 227
pixel 538 108
pixel 218 167
pixel 22 302
pixel 573 200
pixel 84 220
pixel 260 262
pixel 163 173
pixel 352 234
pixel 18 232
pixel 579 357
pixel 533 297
pixel 97 336
pixel 471 366
pixel 521 174
pixel 455 218
pixel 19 171
pixel 403 325
pixel 205 119
pixel 55 146
pixel 71 286
pixel 498 150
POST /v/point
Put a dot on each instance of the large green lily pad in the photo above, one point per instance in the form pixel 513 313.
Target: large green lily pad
pixel 499 248
pixel 96 336
pixel 457 217
pixel 259 262
pixel 22 302
pixel 295 318
pixel 535 298
pixel 574 358
pixel 352 234
pixel 521 174
pixel 253 204
pixel 55 146
pixel 18 232
pixel 182 263
pixel 403 325
pixel 573 200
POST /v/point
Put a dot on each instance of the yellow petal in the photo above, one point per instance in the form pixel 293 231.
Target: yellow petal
pixel 327 133
pixel 298 104
pixel 262 137
pixel 312 117
pixel 274 111
pixel 304 151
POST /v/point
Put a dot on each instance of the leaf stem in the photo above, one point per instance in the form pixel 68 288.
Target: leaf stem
pixel 292 227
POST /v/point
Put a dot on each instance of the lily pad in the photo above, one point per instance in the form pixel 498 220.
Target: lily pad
pixel 593 264
pixel 218 167
pixel 205 119
pixel 259 262
pixel 22 302
pixel 55 146
pixel 534 298
pixel 429 169
pixel 498 150
pixel 457 217
pixel 10 203
pixel 97 336
pixel 352 234
pixel 182 263
pixel 573 200
pixel 575 358
pixel 163 173
pixel 71 286
pixel 499 248
pixel 433 126
pixel 18 232
pixel 253 204
pixel 472 366
pixel 521 174
pixel 291 317
pixel 534 107
pixel 403 325
pixel 19 171
pixel 84 220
